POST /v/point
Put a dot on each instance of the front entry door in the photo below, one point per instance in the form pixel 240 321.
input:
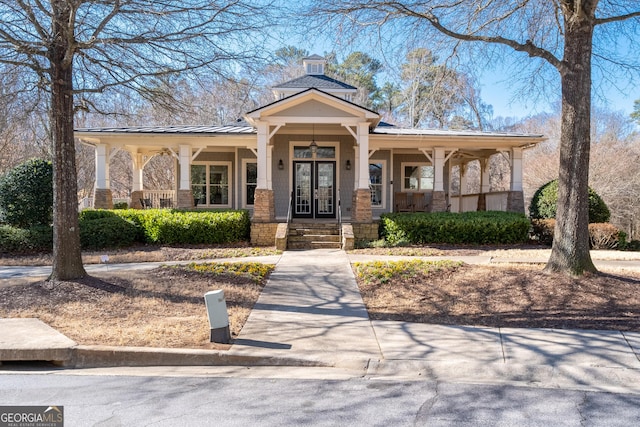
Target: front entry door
pixel 314 184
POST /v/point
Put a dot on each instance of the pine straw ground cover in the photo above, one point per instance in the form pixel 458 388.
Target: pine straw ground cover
pixel 163 307
pixel 451 293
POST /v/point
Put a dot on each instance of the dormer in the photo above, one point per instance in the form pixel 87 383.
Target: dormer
pixel 314 65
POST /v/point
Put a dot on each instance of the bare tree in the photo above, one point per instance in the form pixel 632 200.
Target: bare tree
pixel 559 33
pixel 72 48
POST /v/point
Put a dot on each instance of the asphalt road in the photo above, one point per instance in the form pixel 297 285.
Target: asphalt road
pixel 151 400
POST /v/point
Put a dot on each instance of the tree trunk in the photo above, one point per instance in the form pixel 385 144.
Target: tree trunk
pixel 570 251
pixel 67 259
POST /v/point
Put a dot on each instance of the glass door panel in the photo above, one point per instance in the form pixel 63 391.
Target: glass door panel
pixel 302 198
pixel 325 190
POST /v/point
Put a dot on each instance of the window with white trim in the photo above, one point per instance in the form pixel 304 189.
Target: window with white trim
pixel 249 181
pixel 376 183
pixel 417 177
pixel 211 184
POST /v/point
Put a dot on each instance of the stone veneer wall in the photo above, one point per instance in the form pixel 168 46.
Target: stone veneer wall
pixel 263 233
pixel 439 202
pixel 184 199
pixel 102 198
pixel 365 231
pixel 361 208
pixel 135 199
pixel 263 206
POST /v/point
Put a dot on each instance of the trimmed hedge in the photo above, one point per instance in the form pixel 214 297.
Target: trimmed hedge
pixel 545 199
pixel 101 229
pixel 479 228
pixel 166 226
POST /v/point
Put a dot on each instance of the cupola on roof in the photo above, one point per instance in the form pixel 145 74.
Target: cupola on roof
pixel 314 77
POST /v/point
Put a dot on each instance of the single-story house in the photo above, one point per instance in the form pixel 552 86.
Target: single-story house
pixel 312 154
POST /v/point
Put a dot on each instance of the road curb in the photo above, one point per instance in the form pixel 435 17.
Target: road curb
pixel 84 356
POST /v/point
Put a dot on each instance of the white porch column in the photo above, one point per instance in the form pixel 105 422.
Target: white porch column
pixel 362 156
pixel 184 157
pixel 102 198
pixel 270 166
pixel 438 169
pixel 138 167
pixel 516 169
pixel 263 141
pixel 102 167
pixel 485 183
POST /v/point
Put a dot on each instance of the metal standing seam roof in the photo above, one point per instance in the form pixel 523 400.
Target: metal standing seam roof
pixel 385 129
pixel 178 129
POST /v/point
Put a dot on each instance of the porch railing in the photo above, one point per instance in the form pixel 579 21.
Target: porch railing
pixel 290 209
pixel 495 201
pixel 159 199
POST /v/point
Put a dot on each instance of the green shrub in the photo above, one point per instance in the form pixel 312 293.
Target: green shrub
pixel 26 194
pixel 15 240
pixel 631 245
pixel 456 228
pixel 121 205
pixel 107 232
pixel 167 226
pixel 544 203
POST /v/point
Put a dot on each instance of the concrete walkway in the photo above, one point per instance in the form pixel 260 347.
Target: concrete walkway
pixel 311 310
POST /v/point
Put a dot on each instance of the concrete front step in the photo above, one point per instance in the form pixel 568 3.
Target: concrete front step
pixel 314 236
pixel 313 245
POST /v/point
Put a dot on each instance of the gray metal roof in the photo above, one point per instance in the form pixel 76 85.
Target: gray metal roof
pixel 387 129
pixel 179 129
pixel 318 81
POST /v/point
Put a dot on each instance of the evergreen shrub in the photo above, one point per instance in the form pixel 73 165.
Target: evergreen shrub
pixel 26 194
pixel 545 199
pixel 479 228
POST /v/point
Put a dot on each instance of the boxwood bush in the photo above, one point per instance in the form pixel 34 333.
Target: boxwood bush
pixel 169 226
pixel 477 228
pixel 35 239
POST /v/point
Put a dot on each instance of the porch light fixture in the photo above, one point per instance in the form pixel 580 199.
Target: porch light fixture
pixel 280 164
pixel 313 146
pixel 347 165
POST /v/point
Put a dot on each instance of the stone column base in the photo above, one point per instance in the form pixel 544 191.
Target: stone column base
pixel 184 199
pixel 264 209
pixel 102 198
pixel 482 202
pixel 135 199
pixel 361 207
pixel 439 202
pixel 515 202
